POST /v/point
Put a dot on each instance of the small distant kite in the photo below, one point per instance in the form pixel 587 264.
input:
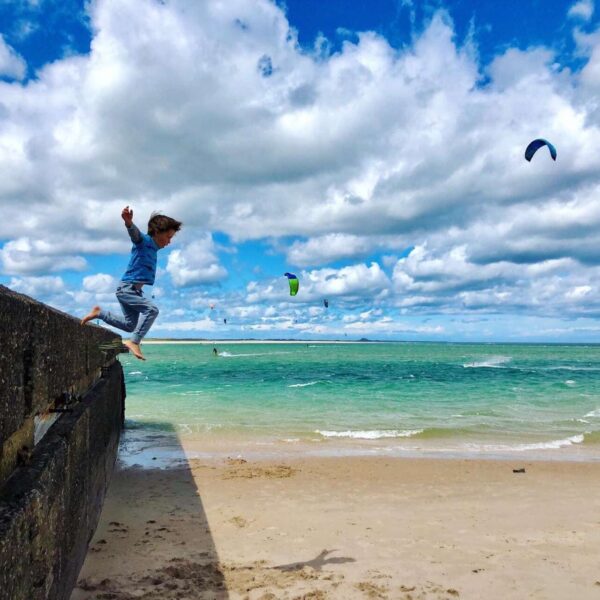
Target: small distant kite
pixel 294 283
pixel 536 145
pixel 326 303
pixel 225 321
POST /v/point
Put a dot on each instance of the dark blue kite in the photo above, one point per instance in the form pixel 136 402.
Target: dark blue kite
pixel 536 145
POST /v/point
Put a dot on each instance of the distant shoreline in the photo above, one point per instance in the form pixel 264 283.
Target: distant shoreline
pixel 215 341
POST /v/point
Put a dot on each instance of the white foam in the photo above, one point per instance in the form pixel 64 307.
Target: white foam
pixel 369 435
pixel 593 413
pixel 135 373
pixel 569 382
pixel 493 362
pixel 568 368
pixel 575 439
pixel 552 445
pixel 190 428
pixel 298 385
pixel 226 354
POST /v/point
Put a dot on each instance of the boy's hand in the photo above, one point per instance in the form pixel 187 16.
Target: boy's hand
pixel 127 216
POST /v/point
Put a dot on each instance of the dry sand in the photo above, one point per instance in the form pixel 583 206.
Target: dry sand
pixel 346 528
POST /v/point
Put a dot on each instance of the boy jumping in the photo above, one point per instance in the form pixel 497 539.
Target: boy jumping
pixel 138 312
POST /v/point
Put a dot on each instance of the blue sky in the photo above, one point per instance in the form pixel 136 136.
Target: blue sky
pixel 373 148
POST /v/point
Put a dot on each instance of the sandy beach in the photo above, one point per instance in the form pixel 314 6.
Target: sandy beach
pixel 348 528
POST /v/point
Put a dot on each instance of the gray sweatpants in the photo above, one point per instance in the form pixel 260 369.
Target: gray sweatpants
pixel 138 312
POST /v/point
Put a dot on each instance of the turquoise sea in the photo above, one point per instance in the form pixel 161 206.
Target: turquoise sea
pixel 394 399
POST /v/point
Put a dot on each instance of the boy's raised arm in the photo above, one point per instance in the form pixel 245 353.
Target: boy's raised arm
pixel 134 233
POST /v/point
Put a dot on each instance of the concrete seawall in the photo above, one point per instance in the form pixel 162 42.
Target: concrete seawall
pixel 61 413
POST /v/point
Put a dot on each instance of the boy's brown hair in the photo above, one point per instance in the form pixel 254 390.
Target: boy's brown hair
pixel 160 223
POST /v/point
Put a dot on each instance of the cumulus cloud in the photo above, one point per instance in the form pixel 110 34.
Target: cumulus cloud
pixel 24 256
pixel 356 141
pixel 583 9
pixel 11 64
pixel 188 326
pixel 195 264
pixel 99 283
pixel 327 248
pixel 387 325
pixel 353 282
pixel 579 291
pixel 452 282
pixel 339 246
pixel 38 286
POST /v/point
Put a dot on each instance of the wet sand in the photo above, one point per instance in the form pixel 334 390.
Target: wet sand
pixel 348 528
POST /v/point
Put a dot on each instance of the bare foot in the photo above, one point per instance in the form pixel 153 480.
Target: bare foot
pixel 93 314
pixel 134 349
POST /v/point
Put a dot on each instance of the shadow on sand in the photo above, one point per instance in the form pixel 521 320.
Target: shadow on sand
pixel 153 540
pixel 317 563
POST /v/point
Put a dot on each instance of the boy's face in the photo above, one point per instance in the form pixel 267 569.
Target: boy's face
pixel 164 238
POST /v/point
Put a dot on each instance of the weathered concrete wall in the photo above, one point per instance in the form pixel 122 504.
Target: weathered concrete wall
pixel 51 494
pixel 46 358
